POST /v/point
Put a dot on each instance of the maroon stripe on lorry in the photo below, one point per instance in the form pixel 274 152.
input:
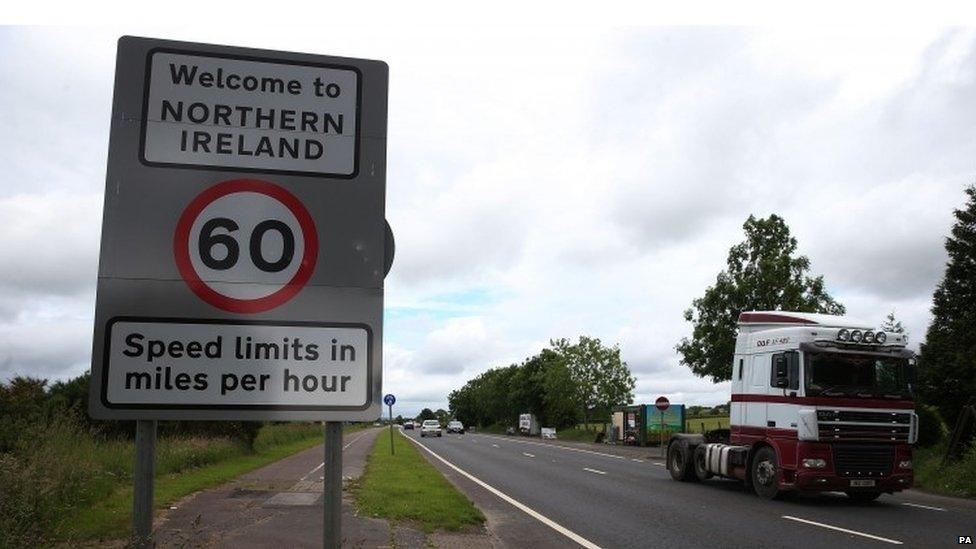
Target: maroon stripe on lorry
pixel 827 401
pixel 769 317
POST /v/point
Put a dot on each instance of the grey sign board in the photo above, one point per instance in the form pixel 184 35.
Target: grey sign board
pixel 242 255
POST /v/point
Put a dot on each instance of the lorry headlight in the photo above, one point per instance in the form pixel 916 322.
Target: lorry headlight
pixel 814 463
pixel 856 336
pixel 880 337
pixel 869 337
pixel 843 335
pixel 905 464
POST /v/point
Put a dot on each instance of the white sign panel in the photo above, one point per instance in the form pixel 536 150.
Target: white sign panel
pixel 232 112
pixel 227 365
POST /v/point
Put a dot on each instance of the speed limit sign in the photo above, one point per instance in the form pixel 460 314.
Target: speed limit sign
pixel 244 242
pixel 245 229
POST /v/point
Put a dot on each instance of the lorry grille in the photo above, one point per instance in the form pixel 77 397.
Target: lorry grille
pixel 899 418
pixel 863 460
pixel 868 433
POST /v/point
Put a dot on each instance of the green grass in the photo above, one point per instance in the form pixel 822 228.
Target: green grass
pixel 694 424
pixel 405 487
pixel 183 466
pixel 957 478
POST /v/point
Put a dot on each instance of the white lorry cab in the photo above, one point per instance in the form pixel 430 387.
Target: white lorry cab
pixel 819 403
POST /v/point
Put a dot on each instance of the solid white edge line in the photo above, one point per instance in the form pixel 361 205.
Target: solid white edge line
pixel 323 463
pixel 920 506
pixel 845 530
pixel 556 446
pixel 529 511
pixel 594 471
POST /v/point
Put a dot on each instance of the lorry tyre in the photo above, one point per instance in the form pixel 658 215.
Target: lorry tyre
pixel 679 463
pixel 765 473
pixel 698 460
pixel 863 497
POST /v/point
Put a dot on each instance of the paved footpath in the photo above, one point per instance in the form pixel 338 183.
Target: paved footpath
pixel 280 505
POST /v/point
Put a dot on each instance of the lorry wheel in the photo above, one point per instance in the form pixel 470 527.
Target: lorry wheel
pixel 679 463
pixel 863 497
pixel 765 473
pixel 701 471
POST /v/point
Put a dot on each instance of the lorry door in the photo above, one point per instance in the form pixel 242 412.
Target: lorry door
pixel 758 385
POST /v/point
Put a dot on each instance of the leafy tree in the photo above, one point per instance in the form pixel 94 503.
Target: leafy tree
pixel 442 416
pixel 426 414
pixel 947 363
pixel 892 325
pixel 762 273
pixel 602 380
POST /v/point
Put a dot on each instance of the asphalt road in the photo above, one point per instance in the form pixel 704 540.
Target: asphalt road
pixel 617 501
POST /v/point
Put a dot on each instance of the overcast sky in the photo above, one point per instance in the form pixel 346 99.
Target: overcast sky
pixel 547 182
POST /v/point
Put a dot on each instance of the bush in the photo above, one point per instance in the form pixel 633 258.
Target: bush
pixel 931 428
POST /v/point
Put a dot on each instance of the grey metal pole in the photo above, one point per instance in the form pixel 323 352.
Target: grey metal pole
pixel 392 451
pixel 332 496
pixel 142 483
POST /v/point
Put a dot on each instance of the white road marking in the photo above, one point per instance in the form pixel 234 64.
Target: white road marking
pixel 526 454
pixel 845 530
pixel 659 464
pixel 320 465
pixel 494 446
pixel 920 506
pixel 594 471
pixel 637 460
pixel 529 511
pixel 561 447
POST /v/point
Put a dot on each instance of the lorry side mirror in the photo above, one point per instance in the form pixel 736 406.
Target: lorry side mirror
pixel 781 378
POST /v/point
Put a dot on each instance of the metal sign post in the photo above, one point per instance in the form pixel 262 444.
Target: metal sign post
pixel 390 400
pixel 332 485
pixel 244 245
pixel 662 404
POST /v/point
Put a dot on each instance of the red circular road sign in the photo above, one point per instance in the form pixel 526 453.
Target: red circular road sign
pixel 250 231
pixel 662 403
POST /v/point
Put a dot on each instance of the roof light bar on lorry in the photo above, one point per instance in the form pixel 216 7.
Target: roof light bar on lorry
pixel 857 336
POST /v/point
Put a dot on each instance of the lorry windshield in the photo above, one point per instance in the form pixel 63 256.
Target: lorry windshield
pixel 864 376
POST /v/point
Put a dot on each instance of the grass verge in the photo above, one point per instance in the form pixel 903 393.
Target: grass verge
pixel 406 487
pixel 110 517
pixel 957 478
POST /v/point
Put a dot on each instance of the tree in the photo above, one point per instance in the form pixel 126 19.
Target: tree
pixel 892 325
pixel 762 273
pixel 947 362
pixel 601 379
pixel 426 414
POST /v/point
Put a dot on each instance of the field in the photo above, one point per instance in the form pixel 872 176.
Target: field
pixel 405 487
pixel 696 424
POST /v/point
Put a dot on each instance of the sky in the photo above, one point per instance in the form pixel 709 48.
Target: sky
pixel 546 181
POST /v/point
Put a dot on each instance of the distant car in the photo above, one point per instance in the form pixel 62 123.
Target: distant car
pixel 510 431
pixel 455 427
pixel 431 428
pixel 408 425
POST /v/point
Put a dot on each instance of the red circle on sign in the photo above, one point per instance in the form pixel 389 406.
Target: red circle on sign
pixel 181 246
pixel 662 403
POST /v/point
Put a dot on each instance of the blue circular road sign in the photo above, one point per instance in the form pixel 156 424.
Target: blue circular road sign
pixel 389 400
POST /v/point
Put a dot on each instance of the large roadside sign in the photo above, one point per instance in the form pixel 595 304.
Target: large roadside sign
pixel 243 237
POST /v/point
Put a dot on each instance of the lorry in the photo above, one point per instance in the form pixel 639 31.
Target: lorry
pixel 528 425
pixel 819 403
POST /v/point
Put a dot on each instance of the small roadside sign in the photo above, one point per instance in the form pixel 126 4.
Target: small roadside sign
pixel 244 241
pixel 662 403
pixel 389 400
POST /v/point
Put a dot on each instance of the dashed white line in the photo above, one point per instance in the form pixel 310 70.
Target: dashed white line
pixel 658 464
pixel 920 506
pixel 561 447
pixel 494 446
pixel 529 511
pixel 526 454
pixel 594 471
pixel 845 530
pixel 637 460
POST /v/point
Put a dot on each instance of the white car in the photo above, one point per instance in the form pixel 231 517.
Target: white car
pixel 455 427
pixel 431 428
